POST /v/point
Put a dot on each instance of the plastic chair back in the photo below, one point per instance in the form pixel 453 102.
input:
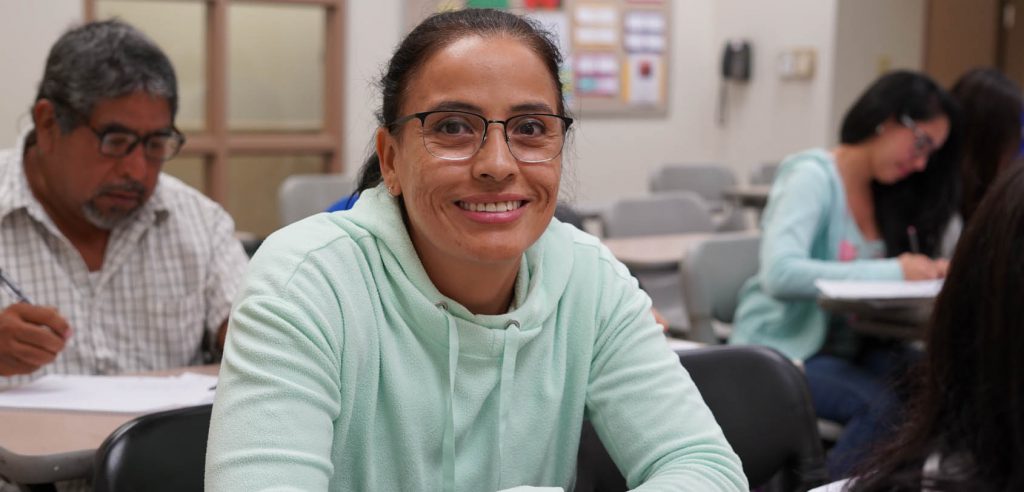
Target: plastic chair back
pixel 760 400
pixel 302 195
pixel 164 451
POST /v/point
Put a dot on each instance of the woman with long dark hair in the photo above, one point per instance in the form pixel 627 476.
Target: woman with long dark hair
pixel 873 208
pixel 992 106
pixel 964 429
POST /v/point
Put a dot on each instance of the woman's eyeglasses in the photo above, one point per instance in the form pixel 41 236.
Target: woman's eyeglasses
pixel 923 144
pixel 458 135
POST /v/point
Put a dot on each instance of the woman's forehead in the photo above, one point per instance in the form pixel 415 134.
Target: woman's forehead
pixel 495 73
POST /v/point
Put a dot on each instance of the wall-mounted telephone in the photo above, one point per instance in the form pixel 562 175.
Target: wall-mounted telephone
pixel 736 60
pixel 736 65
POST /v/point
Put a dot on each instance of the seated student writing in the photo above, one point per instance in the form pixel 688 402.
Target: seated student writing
pixel 845 213
pixel 128 269
pixel 446 333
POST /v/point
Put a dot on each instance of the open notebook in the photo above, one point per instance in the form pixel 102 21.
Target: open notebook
pixel 878 290
pixel 119 394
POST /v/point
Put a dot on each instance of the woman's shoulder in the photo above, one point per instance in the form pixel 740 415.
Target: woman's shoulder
pixel 321 243
pixel 817 163
pixel 587 252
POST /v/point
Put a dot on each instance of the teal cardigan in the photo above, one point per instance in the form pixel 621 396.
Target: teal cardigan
pixel 808 233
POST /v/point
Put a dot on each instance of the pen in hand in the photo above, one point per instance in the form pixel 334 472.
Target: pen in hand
pixel 14 288
pixel 21 297
pixel 912 237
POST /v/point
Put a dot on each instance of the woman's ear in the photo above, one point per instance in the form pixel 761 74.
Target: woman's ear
pixel 386 153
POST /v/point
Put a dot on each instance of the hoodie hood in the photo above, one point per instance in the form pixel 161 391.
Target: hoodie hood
pixel 541 282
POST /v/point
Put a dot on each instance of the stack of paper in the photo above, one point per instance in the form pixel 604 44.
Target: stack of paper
pixel 122 394
pixel 858 289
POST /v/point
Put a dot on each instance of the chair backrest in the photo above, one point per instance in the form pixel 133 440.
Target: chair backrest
pixel 706 180
pixel 164 451
pixel 764 174
pixel 713 271
pixel 302 195
pixel 664 213
pixel 761 402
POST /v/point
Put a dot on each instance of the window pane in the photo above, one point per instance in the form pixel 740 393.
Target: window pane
pixel 187 169
pixel 254 182
pixel 276 67
pixel 178 27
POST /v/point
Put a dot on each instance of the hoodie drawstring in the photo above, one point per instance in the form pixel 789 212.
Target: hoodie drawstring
pixel 448 441
pixel 505 386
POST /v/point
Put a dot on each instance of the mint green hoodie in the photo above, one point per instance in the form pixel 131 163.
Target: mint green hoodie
pixel 346 369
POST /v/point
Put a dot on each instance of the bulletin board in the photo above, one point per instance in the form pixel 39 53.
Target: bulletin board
pixel 616 51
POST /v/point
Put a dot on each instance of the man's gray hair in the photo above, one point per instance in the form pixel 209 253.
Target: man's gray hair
pixel 104 60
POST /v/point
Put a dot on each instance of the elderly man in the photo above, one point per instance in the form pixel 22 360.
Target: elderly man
pixel 139 268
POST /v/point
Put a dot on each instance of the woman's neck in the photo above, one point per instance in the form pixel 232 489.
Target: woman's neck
pixel 482 287
pixel 854 166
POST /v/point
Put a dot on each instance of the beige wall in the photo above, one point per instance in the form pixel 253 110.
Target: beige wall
pixel 767 118
pixel 27 29
pixel 873 36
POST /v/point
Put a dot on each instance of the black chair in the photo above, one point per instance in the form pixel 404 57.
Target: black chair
pixel 760 400
pixel 164 451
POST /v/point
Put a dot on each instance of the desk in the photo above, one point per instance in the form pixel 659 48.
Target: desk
pixel 40 446
pixel 754 196
pixel 904 318
pixel 654 252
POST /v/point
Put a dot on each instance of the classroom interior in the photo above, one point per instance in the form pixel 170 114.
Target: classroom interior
pixel 274 89
pixel 274 81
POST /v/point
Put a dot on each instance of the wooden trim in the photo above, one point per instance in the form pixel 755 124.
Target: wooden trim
pixel 89 10
pixel 334 76
pixel 216 98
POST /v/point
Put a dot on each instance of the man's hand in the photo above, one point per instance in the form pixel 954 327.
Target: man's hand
pixel 30 337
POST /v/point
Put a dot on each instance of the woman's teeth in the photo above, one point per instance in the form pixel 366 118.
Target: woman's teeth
pixel 491 207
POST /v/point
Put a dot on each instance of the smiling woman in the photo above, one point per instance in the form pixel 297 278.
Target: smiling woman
pixel 446 333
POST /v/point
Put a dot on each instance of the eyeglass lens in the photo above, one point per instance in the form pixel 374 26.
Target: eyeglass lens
pixel 156 146
pixel 530 137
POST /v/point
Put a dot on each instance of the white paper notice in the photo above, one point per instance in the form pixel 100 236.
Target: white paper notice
pixel 119 394
pixel 858 289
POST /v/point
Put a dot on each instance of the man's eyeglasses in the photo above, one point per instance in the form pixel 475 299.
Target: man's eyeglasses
pixel 923 144
pixel 458 135
pixel 158 146
pixel 115 141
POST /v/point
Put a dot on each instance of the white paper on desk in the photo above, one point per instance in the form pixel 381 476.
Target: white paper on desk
pixel 120 394
pixel 861 289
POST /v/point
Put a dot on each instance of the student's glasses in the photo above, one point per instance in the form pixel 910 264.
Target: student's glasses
pixel 117 141
pixel 158 146
pixel 458 135
pixel 923 144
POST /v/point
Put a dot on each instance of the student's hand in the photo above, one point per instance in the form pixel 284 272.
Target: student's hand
pixel 30 337
pixel 943 265
pixel 920 267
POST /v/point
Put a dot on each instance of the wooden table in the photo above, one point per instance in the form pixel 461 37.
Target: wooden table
pixel 45 446
pixel 754 196
pixel 654 252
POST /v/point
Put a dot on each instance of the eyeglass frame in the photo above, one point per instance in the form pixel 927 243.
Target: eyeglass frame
pixel 920 136
pixel 422 116
pixel 144 139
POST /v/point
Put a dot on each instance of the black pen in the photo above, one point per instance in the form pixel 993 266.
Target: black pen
pixel 912 236
pixel 14 288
